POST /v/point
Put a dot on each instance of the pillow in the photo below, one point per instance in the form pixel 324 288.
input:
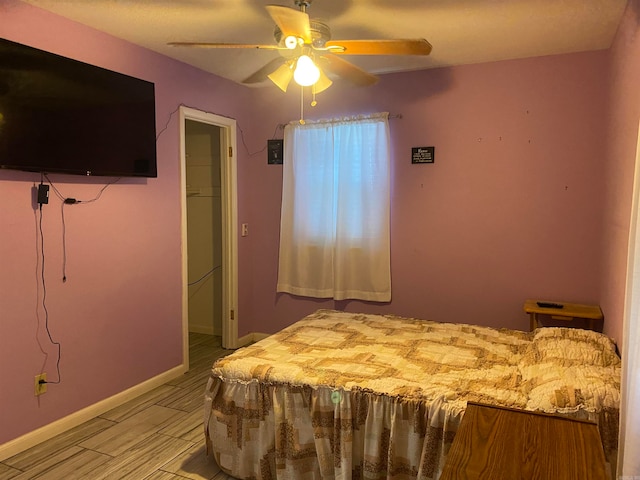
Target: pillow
pixel 562 389
pixel 570 346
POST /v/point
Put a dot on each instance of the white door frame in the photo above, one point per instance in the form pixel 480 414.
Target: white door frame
pixel 229 201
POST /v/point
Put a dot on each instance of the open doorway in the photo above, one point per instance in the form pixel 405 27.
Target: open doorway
pixel 203 153
pixel 203 134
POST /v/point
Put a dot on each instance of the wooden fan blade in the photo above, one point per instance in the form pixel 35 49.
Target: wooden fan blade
pixel 291 22
pixel 347 70
pixel 418 46
pixel 262 74
pixel 222 45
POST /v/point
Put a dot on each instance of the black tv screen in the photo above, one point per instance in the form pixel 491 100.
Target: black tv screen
pixel 62 115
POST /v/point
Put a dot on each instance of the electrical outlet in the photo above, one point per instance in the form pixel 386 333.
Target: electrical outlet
pixel 40 388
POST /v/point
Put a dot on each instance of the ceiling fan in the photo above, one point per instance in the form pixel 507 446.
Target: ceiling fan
pixel 307 51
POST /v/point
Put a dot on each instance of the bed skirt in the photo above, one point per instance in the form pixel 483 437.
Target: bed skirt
pixel 305 433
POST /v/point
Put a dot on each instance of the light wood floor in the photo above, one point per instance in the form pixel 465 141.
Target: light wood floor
pixel 157 436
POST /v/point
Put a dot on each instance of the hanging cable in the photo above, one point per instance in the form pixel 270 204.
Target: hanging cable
pixel 44 301
pixel 244 144
pixel 72 201
pixel 204 276
pixel 64 245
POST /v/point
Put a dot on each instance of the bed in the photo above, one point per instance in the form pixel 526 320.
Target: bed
pixel 343 395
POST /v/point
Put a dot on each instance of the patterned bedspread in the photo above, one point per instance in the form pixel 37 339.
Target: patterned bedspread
pixel 343 395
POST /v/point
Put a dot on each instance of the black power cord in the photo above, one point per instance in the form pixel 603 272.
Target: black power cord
pixel 44 285
pixel 72 201
pixel 204 276
pixel 244 144
pixel 43 198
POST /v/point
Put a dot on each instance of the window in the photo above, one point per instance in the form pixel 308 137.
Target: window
pixel 334 230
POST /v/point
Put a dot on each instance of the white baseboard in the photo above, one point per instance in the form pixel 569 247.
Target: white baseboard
pixel 260 336
pixel 35 437
pixel 251 338
pixel 205 329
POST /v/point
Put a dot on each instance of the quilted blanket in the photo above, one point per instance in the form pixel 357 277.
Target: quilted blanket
pixel 343 395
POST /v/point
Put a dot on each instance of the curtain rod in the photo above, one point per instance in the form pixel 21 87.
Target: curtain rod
pixel 281 126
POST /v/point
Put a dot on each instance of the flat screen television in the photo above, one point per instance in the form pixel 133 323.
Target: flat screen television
pixel 59 115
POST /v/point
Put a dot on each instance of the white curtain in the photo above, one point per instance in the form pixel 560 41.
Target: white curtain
pixel 334 228
pixel 630 417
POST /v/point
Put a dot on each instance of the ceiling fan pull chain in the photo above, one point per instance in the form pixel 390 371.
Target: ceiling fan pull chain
pixel 302 122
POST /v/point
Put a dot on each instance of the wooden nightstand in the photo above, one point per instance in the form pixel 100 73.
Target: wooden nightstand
pixel 497 443
pixel 568 312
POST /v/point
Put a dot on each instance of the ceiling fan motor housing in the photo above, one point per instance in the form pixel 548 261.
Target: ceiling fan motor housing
pixel 320 34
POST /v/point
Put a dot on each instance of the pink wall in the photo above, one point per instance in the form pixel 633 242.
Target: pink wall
pixel 624 118
pixel 511 209
pixel 118 316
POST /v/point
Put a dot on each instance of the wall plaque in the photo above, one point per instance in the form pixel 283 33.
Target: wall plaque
pixel 423 154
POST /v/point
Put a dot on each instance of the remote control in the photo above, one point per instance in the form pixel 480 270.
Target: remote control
pixel 549 305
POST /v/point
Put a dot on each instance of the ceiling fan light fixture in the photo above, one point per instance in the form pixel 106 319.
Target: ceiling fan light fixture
pixel 291 42
pixel 306 72
pixel 322 84
pixel 282 76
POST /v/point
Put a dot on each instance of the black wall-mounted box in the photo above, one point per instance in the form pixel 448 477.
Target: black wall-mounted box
pixel 43 194
pixel 275 150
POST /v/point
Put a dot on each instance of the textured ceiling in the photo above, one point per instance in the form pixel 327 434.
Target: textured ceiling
pixel 461 31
